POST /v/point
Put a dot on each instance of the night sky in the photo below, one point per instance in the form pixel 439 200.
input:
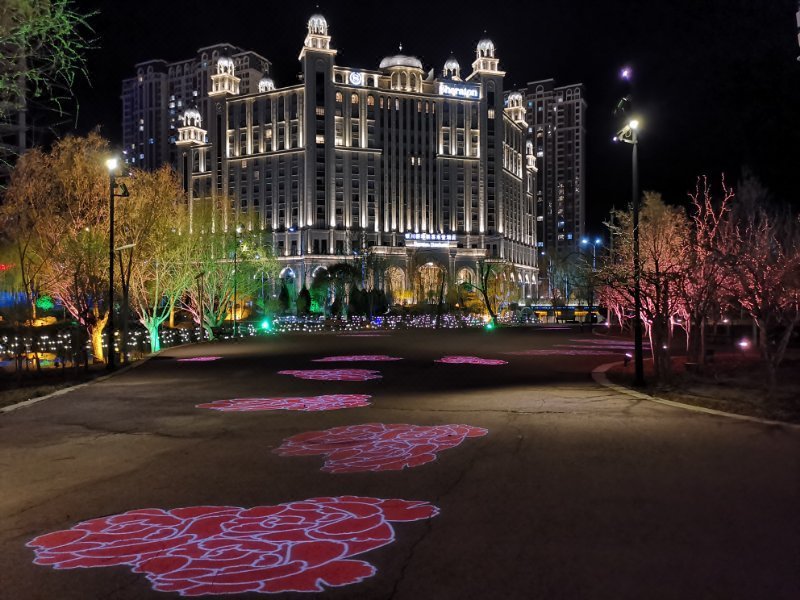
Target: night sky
pixel 717 84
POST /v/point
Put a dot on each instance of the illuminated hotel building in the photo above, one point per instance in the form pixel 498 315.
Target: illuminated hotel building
pixel 155 98
pixel 427 171
pixel 556 118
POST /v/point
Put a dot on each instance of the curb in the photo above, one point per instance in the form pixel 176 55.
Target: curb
pixel 125 369
pixel 599 376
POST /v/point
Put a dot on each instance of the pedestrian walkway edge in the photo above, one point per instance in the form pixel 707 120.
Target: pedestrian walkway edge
pixel 599 375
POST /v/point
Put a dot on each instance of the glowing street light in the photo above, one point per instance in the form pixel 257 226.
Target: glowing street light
pixel 112 164
pixel 629 135
pixel 597 242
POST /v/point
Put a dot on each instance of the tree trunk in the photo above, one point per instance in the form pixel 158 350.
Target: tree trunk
pixel 661 358
pixel 155 341
pixel 695 340
pixel 96 335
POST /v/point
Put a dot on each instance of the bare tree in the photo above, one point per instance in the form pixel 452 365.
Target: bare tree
pixel 495 285
pixel 65 238
pixel 662 235
pixel 153 225
pixel 760 255
pixel 43 46
pixel 24 212
pixel 699 292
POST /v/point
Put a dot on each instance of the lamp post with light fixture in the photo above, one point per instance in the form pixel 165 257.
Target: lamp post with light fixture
pixel 595 243
pixel 112 164
pixel 235 280
pixel 629 135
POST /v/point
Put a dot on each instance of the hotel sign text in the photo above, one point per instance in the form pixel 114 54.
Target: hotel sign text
pixel 458 91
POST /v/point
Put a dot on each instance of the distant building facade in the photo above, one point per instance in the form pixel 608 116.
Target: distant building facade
pixel 426 172
pixel 556 119
pixel 155 98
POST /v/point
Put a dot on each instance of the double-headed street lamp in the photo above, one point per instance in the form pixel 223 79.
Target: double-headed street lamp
pixel 597 242
pixel 112 164
pixel 629 135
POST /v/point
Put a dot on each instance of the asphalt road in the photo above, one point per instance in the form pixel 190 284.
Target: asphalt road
pixel 575 491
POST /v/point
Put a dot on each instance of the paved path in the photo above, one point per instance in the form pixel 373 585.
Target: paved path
pixel 576 491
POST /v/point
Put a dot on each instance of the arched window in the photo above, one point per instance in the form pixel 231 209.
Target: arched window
pixel 354 99
pixel 338 96
pixel 370 101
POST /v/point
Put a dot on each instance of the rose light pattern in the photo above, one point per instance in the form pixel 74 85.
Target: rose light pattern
pixel 470 360
pixel 199 359
pixel 334 374
pixel 297 546
pixel 301 403
pixel 376 446
pixel 358 358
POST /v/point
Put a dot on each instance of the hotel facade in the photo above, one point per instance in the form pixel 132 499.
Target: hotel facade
pixel 424 171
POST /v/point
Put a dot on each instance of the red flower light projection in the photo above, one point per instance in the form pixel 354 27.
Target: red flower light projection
pixel 358 358
pixel 302 403
pixel 470 360
pixel 199 359
pixel 377 447
pixel 297 546
pixel 334 374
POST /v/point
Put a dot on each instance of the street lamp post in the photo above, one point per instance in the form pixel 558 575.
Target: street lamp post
pixel 235 280
pixel 629 135
pixel 112 164
pixel 597 242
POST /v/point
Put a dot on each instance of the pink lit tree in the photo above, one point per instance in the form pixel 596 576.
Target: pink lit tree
pixel 760 258
pixel 662 251
pixel 699 292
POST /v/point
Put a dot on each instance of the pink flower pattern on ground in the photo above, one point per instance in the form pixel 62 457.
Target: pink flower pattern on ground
pixel 470 360
pixel 199 359
pixel 376 446
pixel 334 374
pixel 296 546
pixel 358 358
pixel 301 403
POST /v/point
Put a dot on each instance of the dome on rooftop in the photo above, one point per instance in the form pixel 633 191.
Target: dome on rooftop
pixel 486 48
pixel 401 60
pixel 317 24
pixel 266 84
pixel 192 118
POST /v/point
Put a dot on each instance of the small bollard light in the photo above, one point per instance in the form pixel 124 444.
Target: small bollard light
pixel 628 358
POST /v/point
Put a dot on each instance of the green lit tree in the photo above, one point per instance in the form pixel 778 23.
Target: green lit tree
pixel 224 264
pixel 152 222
